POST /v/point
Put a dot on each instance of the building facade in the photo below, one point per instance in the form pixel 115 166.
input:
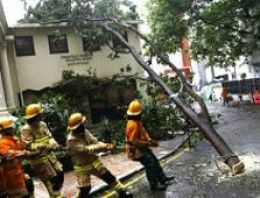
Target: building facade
pixel 40 58
pixel 7 82
pixel 35 58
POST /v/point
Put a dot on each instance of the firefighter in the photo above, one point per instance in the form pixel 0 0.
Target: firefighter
pixel 37 138
pixel 3 192
pixel 82 147
pixel 12 152
pixel 137 148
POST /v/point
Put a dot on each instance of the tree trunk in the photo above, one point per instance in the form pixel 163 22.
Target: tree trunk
pixel 165 59
pixel 203 124
pixel 212 72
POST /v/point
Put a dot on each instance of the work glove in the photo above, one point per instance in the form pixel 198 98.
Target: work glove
pixel 153 143
pixel 140 144
pixel 21 153
pixel 53 145
pixel 129 142
pixel 50 147
pixel 110 146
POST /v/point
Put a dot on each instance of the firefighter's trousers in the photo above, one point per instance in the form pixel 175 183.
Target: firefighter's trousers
pixel 96 168
pixel 154 171
pixel 49 170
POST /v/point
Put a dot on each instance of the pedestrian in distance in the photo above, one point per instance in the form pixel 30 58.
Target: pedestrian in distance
pixel 138 143
pixel 224 95
pixel 83 147
pixel 211 97
pixel 3 191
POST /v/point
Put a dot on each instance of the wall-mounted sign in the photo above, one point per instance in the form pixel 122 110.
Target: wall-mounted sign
pixel 76 59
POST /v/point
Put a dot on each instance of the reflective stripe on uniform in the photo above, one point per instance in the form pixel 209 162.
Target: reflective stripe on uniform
pixel 90 148
pixel 80 169
pixel 39 142
pixel 118 187
pixel 43 140
pixel 43 159
pixel 56 195
pixel 95 165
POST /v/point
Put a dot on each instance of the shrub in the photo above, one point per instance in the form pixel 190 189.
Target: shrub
pixel 55 114
pixel 160 120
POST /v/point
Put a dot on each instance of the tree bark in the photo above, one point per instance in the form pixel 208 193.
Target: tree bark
pixel 164 58
pixel 209 132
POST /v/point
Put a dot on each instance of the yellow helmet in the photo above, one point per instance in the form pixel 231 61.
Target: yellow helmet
pixel 75 120
pixel 134 108
pixel 6 123
pixel 33 110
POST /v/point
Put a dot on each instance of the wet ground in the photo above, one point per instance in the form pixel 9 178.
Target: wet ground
pixel 201 174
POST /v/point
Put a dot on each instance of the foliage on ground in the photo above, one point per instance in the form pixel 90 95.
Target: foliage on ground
pixel 67 96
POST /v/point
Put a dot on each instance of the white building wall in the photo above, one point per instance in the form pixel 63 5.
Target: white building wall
pixel 241 68
pixel 45 69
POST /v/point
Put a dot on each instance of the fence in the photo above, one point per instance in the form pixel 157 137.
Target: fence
pixel 242 86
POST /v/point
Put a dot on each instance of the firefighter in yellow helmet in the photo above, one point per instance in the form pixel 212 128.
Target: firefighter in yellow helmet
pixel 138 143
pixel 12 153
pixel 3 190
pixel 82 147
pixel 37 138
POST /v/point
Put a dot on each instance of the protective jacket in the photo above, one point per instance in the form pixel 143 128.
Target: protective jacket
pixel 37 139
pixel 137 138
pixel 3 190
pixel 137 148
pixel 11 149
pixel 82 149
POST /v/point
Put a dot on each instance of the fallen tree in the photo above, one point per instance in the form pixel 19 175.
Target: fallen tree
pixel 96 21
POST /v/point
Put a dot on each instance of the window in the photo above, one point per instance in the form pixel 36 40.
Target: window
pixel 24 46
pixel 88 46
pixel 58 44
pixel 117 43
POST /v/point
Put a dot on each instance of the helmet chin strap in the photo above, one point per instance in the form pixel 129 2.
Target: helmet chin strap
pixel 35 120
pixel 80 129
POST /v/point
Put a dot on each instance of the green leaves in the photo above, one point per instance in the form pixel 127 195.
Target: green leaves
pixel 220 31
pixel 168 26
pixel 82 15
pixel 46 11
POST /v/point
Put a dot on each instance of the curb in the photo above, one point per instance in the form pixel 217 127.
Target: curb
pixel 122 178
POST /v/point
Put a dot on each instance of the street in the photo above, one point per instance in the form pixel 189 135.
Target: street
pixel 200 172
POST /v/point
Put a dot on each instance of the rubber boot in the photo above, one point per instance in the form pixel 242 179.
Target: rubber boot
pixel 125 194
pixel 159 187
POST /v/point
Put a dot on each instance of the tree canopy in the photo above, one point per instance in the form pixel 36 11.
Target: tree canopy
pixel 82 16
pixel 220 31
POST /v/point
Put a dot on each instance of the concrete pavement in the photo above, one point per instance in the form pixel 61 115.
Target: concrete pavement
pixel 118 164
pixel 201 174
